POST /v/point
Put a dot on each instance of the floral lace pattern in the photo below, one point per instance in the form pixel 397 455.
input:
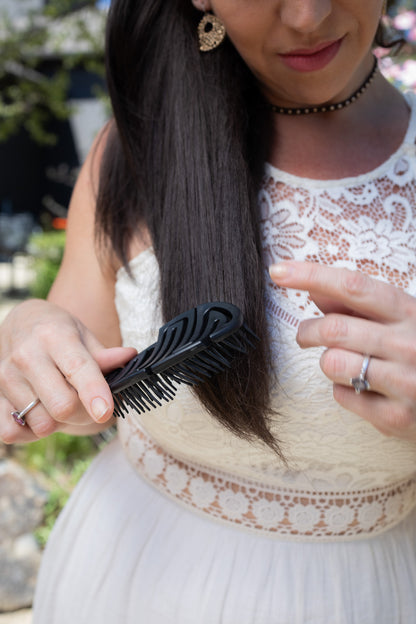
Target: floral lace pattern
pixel 366 223
pixel 278 512
pixel 343 478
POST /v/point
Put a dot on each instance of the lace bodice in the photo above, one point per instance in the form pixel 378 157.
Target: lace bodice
pixel 367 222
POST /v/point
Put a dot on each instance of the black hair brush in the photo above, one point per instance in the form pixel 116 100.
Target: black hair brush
pixel 190 348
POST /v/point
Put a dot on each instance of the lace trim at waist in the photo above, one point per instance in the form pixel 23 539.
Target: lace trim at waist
pixel 272 511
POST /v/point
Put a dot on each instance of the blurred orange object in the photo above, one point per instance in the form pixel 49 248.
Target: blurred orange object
pixel 59 223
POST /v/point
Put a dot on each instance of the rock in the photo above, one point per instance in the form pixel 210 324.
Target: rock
pixel 21 501
pixel 20 561
pixel 21 511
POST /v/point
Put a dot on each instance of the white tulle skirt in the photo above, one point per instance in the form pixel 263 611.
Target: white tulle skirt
pixel 122 553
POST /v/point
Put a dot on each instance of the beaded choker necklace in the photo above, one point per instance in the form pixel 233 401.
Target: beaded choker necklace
pixel 328 107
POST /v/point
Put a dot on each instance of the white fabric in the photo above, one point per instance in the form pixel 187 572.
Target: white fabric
pixel 194 544
pixel 121 553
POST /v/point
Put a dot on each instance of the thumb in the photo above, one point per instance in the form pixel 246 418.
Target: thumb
pixel 107 358
pixel 114 357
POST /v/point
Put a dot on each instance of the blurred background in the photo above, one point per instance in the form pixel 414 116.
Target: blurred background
pixel 52 104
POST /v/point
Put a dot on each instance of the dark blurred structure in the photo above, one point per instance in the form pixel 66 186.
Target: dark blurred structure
pixel 36 178
pixel 31 172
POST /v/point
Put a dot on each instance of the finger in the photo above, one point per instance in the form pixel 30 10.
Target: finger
pixel 327 305
pixel 59 400
pixel 116 355
pixel 390 379
pixel 32 373
pixel 37 419
pixel 83 373
pixel 109 359
pixel 390 417
pixel 352 333
pixel 10 431
pixel 56 383
pixel 355 290
pixel 66 406
pixel 19 393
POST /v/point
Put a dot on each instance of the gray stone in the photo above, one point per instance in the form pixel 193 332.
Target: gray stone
pixel 21 501
pixel 21 511
pixel 18 572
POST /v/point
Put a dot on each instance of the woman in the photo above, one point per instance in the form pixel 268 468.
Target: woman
pixel 285 491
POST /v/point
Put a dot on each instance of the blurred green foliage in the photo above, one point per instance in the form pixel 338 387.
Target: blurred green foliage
pixel 35 64
pixel 58 461
pixel 46 250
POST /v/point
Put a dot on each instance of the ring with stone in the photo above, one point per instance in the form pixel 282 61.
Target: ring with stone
pixel 360 383
pixel 20 417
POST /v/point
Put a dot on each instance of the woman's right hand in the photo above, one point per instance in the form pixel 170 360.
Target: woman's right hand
pixel 48 354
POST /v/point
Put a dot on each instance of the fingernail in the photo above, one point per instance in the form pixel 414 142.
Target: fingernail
pixel 279 271
pixel 99 408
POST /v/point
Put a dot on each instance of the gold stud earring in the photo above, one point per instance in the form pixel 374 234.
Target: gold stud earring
pixel 211 32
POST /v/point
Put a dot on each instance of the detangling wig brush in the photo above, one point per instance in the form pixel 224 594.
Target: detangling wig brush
pixel 190 348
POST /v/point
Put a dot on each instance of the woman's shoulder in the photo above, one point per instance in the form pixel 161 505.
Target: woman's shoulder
pixel 94 160
pixel 96 166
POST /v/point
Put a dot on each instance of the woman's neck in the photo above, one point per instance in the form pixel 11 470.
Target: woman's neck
pixel 342 143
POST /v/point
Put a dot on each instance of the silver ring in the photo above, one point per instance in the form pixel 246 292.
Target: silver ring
pixel 360 383
pixel 19 417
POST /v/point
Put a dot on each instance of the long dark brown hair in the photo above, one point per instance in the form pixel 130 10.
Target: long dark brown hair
pixel 185 159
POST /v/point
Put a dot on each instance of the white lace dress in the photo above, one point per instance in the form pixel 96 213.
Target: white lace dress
pixel 180 522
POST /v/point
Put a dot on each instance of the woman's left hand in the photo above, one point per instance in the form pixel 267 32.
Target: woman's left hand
pixel 362 316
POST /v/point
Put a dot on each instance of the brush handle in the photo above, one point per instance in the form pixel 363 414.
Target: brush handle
pixel 190 334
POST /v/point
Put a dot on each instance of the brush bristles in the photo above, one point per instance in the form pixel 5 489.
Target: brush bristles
pixel 190 349
pixel 149 392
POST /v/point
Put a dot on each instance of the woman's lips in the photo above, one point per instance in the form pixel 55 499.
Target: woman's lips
pixel 312 59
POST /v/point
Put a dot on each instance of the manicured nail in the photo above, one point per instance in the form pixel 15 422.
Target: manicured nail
pixel 99 409
pixel 279 271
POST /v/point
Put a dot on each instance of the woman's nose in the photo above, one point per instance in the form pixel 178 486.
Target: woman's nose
pixel 304 16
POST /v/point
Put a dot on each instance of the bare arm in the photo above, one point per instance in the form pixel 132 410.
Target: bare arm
pixel 85 283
